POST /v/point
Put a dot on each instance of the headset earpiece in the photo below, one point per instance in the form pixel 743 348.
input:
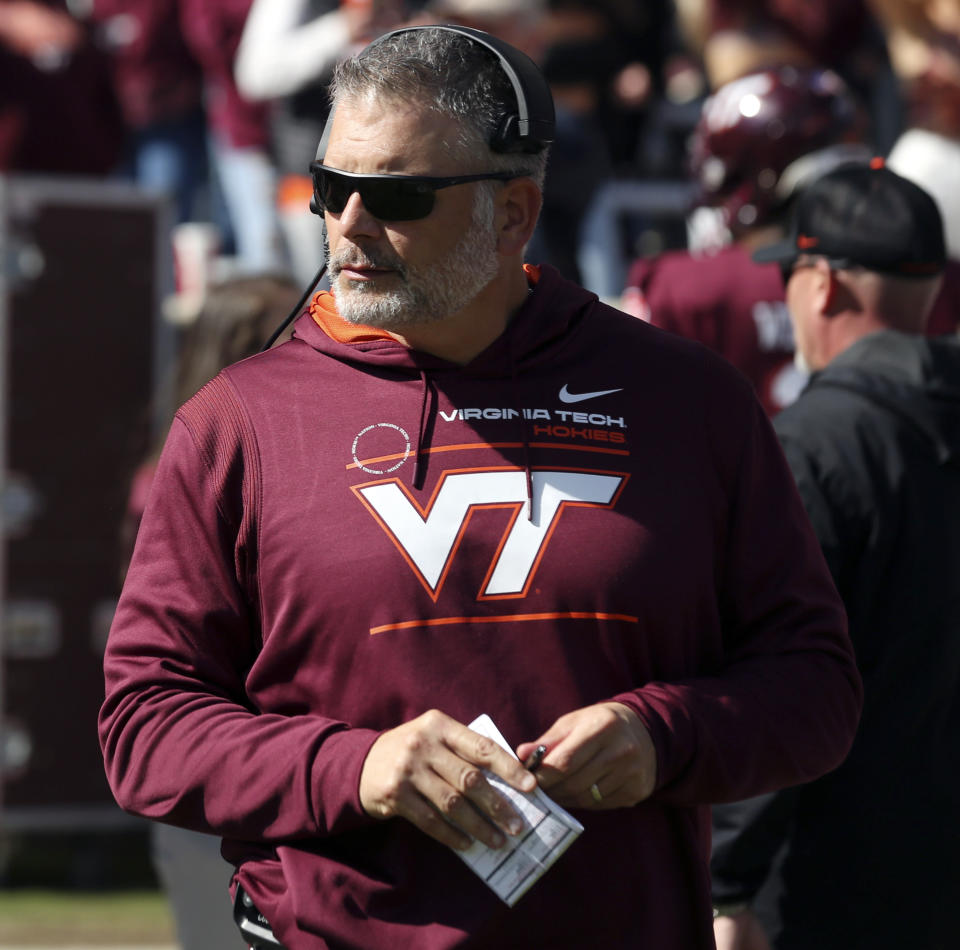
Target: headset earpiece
pixel 508 137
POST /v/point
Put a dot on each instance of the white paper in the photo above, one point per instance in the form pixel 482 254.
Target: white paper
pixel 512 870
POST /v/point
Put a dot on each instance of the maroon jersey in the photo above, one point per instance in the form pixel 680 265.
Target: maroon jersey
pixel 729 303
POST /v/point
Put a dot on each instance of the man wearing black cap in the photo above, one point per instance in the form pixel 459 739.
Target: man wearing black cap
pixel 867 855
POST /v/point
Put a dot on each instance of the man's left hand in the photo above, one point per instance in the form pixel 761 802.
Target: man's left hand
pixel 598 757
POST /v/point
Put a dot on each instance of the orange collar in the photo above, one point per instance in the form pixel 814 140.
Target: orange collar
pixel 323 309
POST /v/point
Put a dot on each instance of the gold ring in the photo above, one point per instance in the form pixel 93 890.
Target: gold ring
pixel 595 792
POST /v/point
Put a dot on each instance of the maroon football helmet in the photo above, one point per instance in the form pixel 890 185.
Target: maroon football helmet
pixel 762 135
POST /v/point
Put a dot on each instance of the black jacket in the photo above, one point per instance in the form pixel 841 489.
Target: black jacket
pixel 869 855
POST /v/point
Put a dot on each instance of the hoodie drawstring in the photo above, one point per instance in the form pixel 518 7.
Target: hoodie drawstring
pixel 427 405
pixel 523 437
pixel 420 462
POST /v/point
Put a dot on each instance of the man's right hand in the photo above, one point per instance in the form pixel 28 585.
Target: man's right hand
pixel 742 931
pixel 429 771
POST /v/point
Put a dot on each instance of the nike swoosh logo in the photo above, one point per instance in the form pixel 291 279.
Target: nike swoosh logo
pixel 567 396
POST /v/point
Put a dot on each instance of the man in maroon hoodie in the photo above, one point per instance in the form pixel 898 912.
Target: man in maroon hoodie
pixel 467 487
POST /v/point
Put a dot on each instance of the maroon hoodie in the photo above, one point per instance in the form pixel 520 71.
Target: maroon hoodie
pixel 339 539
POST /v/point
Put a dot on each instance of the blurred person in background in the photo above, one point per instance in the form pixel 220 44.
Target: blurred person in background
pixel 238 134
pixel 190 134
pixel 760 138
pixel 285 58
pixel 866 857
pixel 159 85
pixel 236 319
pixel 58 112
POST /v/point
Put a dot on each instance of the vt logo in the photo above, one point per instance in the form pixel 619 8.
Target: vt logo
pixel 429 538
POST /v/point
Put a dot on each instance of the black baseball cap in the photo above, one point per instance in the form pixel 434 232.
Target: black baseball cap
pixel 868 216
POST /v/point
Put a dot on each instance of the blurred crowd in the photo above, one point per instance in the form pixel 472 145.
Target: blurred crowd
pixel 219 104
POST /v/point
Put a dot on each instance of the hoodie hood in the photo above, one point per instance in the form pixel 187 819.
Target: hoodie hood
pixel 914 377
pixel 553 308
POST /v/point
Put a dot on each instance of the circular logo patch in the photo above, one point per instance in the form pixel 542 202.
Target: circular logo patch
pixel 381 448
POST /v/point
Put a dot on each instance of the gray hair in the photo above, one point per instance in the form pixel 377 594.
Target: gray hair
pixel 449 73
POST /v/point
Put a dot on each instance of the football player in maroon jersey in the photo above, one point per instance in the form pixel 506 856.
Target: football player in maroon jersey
pixel 759 139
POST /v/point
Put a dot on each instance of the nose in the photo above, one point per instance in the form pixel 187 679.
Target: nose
pixel 356 221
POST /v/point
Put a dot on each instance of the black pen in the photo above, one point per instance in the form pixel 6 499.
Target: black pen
pixel 535 758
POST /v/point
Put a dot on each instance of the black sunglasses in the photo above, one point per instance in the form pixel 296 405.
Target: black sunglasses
pixel 834 263
pixel 388 197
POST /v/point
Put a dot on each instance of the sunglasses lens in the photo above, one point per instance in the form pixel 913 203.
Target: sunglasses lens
pixel 332 191
pixel 390 199
pixel 393 199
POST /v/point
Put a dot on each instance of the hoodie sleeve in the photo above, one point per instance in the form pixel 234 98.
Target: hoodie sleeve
pixel 783 705
pixel 180 740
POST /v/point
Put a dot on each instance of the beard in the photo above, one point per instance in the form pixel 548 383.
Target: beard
pixel 427 293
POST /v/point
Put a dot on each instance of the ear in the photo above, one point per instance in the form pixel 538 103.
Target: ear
pixel 518 206
pixel 825 289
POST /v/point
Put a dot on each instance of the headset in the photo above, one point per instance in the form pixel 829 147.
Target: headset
pixel 527 129
pixel 530 128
